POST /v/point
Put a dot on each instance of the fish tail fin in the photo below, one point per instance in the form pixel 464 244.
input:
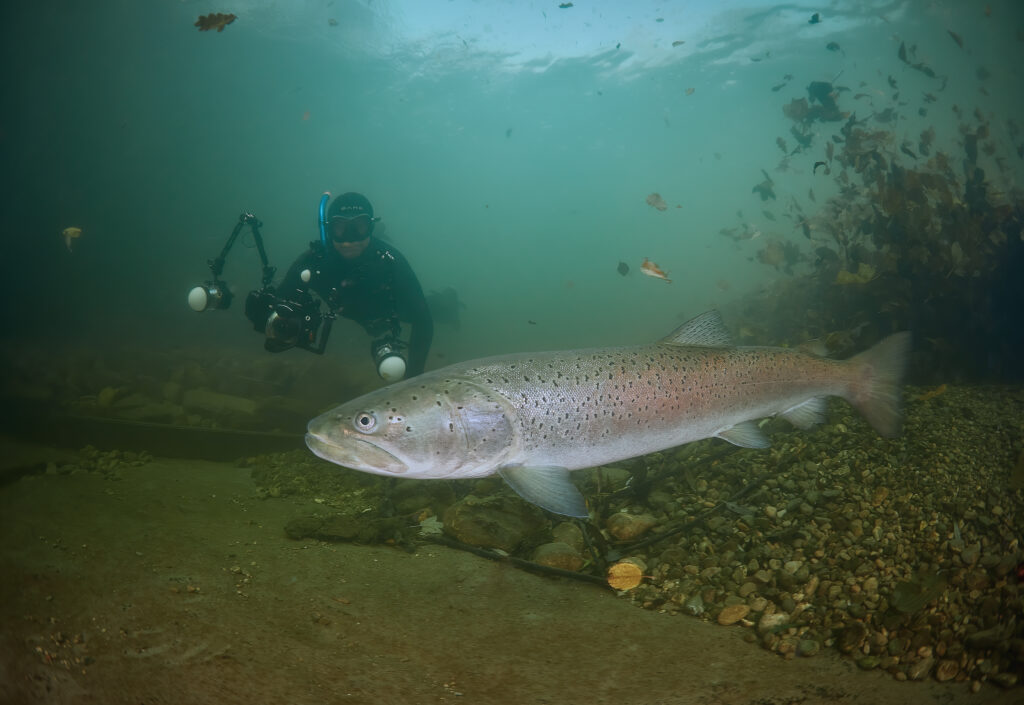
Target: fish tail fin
pixel 875 390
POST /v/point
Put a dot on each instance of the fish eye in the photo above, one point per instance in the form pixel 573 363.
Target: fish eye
pixel 365 421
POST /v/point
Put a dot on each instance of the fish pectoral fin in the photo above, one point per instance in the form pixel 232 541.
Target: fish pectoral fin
pixel 806 414
pixel 745 434
pixel 547 486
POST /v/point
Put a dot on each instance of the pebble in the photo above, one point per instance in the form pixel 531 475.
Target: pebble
pixel 920 669
pixel 946 670
pixel 808 647
pixel 746 589
pixel 732 614
pixel 770 622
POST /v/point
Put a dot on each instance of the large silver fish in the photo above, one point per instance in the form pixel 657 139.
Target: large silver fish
pixel 533 417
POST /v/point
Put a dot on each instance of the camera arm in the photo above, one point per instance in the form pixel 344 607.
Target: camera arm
pixel 217 263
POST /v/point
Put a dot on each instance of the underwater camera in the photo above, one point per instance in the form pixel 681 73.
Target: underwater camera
pixel 286 323
pixel 388 358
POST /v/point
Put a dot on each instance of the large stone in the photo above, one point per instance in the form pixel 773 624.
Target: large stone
pixel 216 403
pixel 493 522
pixel 558 555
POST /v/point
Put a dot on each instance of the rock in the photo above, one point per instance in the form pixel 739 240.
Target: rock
pixel 302 527
pixel 871 585
pixel 808 647
pixel 758 604
pixel 920 669
pixel 695 605
pixel 732 614
pixel 746 589
pixel 771 622
pixel 810 587
pixel 171 392
pixel 612 477
pixel 946 670
pixel 853 637
pixel 154 412
pixel 1005 680
pixel 558 555
pixel 971 554
pixel 217 403
pixel 411 496
pixel 867 663
pixel 627 527
pixel 493 522
pixel 988 639
pixel 570 534
pixel 106 397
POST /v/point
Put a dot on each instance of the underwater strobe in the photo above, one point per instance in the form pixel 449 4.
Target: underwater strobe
pixel 211 294
pixel 214 294
pixel 388 358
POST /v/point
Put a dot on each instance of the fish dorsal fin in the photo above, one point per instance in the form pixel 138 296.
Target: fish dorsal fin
pixel 705 330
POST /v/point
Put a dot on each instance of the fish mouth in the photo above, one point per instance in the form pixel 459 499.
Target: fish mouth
pixel 357 454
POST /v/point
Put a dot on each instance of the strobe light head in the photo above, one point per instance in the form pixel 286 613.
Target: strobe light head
pixel 209 295
pixel 389 360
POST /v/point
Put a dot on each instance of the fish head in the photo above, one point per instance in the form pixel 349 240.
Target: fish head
pixel 432 426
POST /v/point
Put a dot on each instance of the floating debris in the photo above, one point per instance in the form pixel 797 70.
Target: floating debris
pixel 214 20
pixel 656 201
pixel 956 38
pixel 765 189
pixel 652 270
pixel 70 235
pixel 623 268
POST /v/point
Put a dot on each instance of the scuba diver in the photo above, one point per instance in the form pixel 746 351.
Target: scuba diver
pixel 361 278
pixel 355 274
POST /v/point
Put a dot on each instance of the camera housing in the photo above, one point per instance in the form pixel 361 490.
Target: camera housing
pixel 286 323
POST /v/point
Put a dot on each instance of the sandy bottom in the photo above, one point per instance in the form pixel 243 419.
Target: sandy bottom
pixel 174 584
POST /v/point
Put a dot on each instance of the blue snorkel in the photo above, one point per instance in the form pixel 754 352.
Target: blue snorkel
pixel 323 217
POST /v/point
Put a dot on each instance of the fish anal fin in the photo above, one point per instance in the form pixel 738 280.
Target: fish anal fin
pixel 745 435
pixel 547 486
pixel 806 414
pixel 706 330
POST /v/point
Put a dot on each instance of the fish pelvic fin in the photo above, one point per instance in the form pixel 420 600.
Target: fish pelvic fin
pixel 875 391
pixel 745 434
pixel 547 486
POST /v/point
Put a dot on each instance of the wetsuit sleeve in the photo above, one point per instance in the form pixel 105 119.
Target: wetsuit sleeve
pixel 412 307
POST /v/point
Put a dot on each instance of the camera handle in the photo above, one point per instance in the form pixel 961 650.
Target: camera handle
pixel 217 263
pixel 325 333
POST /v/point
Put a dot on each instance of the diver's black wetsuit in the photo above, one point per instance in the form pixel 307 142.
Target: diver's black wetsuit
pixel 376 290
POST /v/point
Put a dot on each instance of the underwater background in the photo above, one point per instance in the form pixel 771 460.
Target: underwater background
pixel 510 149
pixel 835 172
